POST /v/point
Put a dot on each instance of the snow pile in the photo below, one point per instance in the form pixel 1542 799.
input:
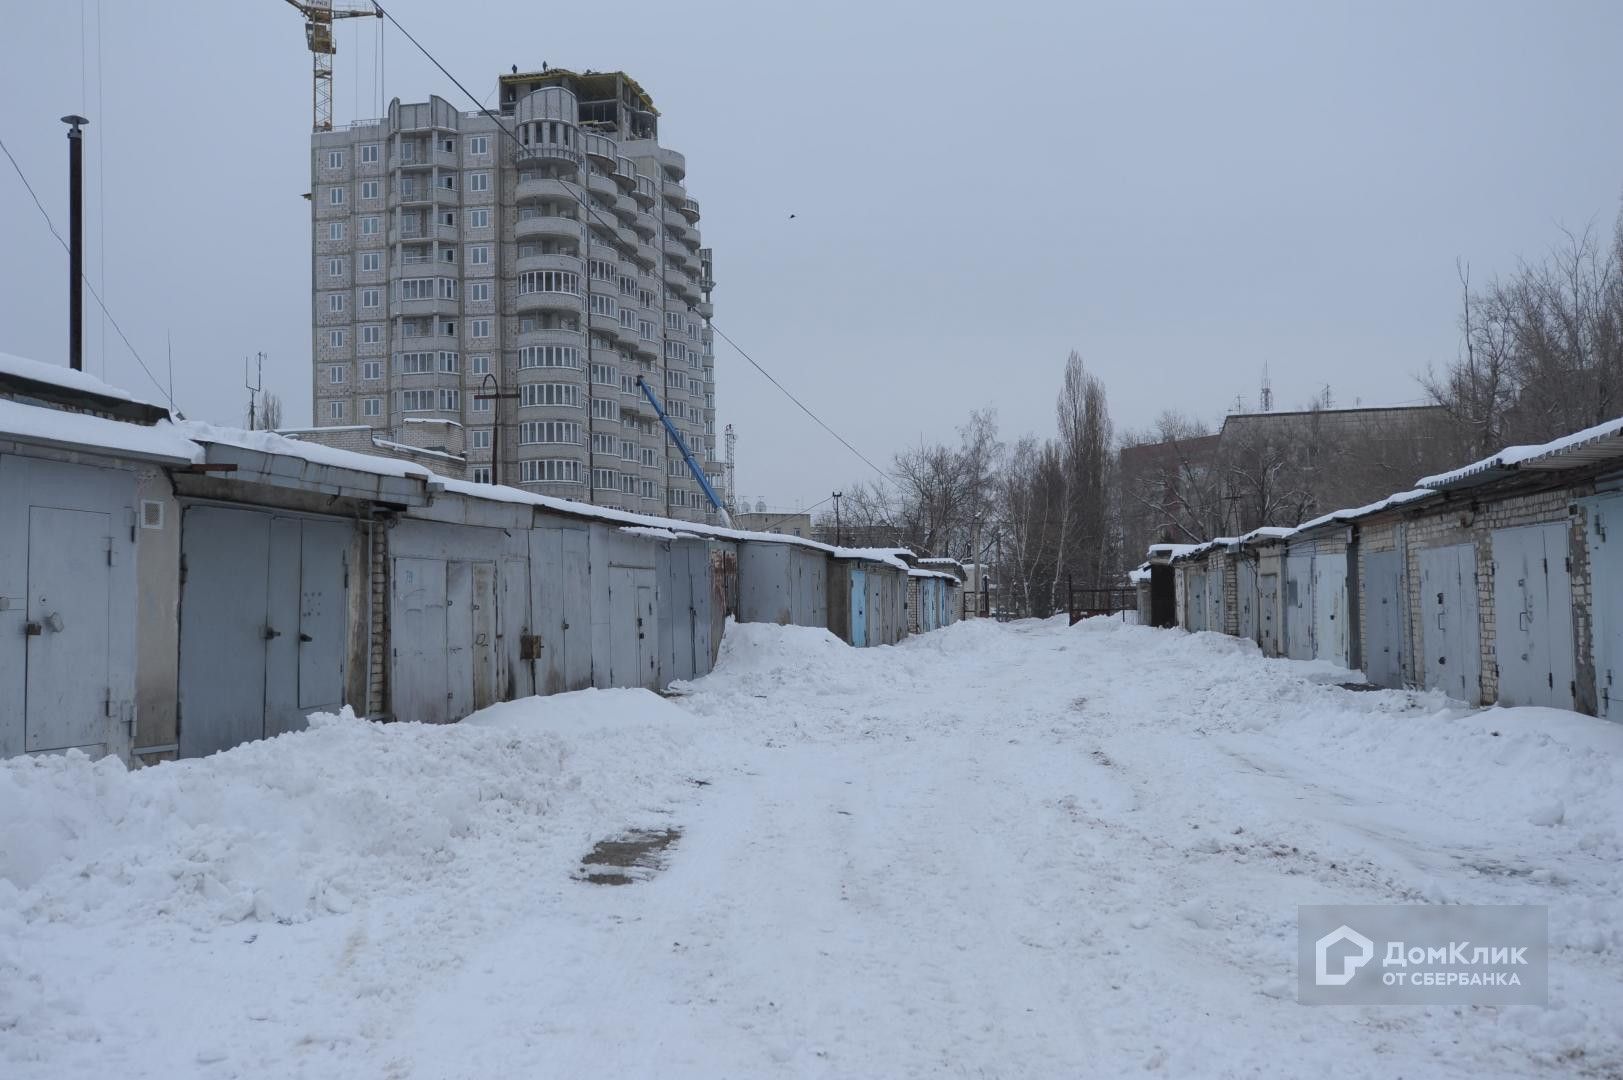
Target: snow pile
pixel 280 830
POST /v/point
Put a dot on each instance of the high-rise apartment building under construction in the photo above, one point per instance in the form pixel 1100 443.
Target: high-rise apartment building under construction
pixel 487 291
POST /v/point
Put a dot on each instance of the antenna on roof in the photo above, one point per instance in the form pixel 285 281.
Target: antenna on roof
pixel 1267 391
pixel 254 387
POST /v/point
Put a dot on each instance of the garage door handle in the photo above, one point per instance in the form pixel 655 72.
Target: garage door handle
pixel 1524 619
pixel 269 633
pixel 33 629
pixel 306 637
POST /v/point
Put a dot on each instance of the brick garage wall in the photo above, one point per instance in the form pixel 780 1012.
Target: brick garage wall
pixel 1231 593
pixel 377 682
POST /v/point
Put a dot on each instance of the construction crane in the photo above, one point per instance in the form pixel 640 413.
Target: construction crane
pixel 687 455
pixel 318 20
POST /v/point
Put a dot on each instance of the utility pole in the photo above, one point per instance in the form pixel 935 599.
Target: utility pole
pixel 76 241
pixel 498 397
pixel 837 530
pixel 253 388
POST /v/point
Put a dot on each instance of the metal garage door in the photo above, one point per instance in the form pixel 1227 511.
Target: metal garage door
pixel 1383 593
pixel 1330 629
pixel 1245 596
pixel 1299 606
pixel 67 628
pixel 1268 613
pixel 1195 606
pixel 1605 542
pixel 1449 628
pixel 263 624
pixel 1532 616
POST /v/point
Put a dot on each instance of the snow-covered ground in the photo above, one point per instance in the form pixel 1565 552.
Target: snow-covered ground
pixel 993 851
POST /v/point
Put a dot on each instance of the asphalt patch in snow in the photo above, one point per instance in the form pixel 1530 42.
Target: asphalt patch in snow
pixel 634 856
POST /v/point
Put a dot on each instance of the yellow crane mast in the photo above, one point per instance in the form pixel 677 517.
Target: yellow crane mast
pixel 318 20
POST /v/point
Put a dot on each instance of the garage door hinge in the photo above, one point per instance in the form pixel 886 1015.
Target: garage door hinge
pixel 1551 677
pixel 1569 564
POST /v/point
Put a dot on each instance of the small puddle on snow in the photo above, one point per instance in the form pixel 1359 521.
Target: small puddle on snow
pixel 634 856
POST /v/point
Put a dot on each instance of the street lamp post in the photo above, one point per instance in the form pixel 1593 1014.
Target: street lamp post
pixel 496 395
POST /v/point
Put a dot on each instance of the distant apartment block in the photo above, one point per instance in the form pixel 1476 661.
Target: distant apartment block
pixel 487 293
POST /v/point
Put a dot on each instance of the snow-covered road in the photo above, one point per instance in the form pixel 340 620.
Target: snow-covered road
pixel 993 851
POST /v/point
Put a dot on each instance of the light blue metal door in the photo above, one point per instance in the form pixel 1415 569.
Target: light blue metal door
pixel 1299 605
pixel 323 618
pixel 859 608
pixel 1449 627
pixel 1268 613
pixel 417 632
pixel 1383 593
pixel 1330 627
pixel 67 630
pixel 1195 614
pixel 1245 598
pixel 1532 609
pixel 1216 616
pixel 1604 537
pixel 223 627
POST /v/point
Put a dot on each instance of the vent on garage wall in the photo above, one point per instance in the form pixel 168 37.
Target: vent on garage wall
pixel 151 514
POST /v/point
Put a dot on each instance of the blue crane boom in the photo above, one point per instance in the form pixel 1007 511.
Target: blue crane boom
pixel 687 455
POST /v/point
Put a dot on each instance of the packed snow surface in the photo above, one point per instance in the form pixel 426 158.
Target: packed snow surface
pixel 992 851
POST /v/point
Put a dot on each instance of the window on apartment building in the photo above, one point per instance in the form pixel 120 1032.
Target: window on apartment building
pixel 369 153
pixel 558 281
pixel 479 329
pixel 448 144
pixel 604 409
pixel 479 291
pixel 448 328
pixel 604 479
pixel 369 226
pixel 650 457
pixel 415 363
pixel 371 298
pixel 372 406
pixel 451 400
pixel 335 196
pixel 602 443
pixel 369 189
pixel 335 230
pixel 416 401
pixel 335 267
pixel 335 302
pixel 448 181
pixel 478 219
pixel 371 335
pixel 448 255
pixel 677 497
pixel 478 145
pixel 335 410
pixel 448 288
pixel 628 450
pixel 335 159
pixel 673 378
pixel 479 439
pixel 564 394
pixel 533 432
pixel 481 474
pixel 605 375
pixel 673 467
pixel 561 356
pixel 549 471
pixel 603 305
pixel 479 364
pixel 628 484
pixel 448 218
pixel 335 374
pixel 479 255
pixel 335 339
pixel 372 369
pixel 648 489
pixel 449 362
pixel 371 261
pixel 481 403
pixel 479 181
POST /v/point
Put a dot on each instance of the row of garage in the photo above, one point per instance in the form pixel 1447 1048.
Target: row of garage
pixel 1498 582
pixel 174 589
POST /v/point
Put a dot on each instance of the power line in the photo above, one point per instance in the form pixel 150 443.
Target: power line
pixel 606 224
pixel 82 278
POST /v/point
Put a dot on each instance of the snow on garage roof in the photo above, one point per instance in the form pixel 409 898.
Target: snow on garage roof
pixel 1591 446
pixel 21 367
pixel 163 441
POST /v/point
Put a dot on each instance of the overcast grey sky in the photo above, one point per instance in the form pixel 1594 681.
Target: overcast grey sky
pixel 1183 192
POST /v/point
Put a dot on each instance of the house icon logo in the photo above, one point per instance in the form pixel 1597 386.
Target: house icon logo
pixel 1348 963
